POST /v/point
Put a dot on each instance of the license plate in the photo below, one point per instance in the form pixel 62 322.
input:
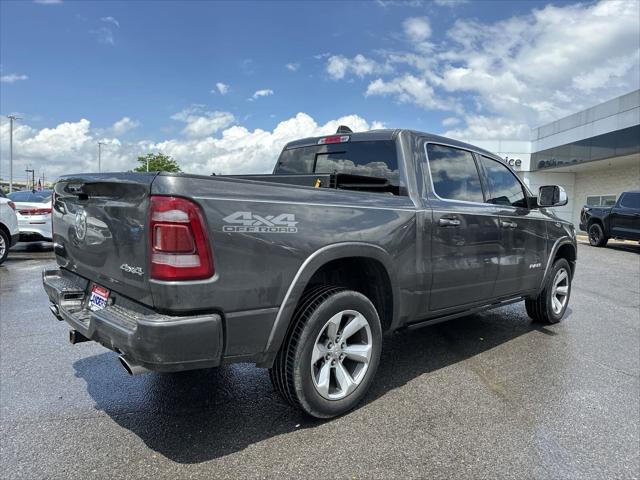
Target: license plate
pixel 98 298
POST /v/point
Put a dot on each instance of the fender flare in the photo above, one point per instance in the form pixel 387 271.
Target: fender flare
pixel 552 254
pixel 308 268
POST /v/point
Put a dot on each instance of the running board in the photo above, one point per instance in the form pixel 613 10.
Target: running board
pixel 433 321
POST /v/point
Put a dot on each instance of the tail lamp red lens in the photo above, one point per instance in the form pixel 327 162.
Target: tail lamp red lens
pixel 34 211
pixel 179 245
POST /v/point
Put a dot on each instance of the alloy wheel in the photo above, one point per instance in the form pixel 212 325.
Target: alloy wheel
pixel 560 291
pixel 341 354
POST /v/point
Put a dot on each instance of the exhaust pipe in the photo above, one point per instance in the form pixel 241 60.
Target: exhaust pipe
pixel 76 337
pixel 130 367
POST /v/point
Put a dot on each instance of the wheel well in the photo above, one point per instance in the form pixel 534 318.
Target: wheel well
pixel 568 252
pixel 595 220
pixel 361 274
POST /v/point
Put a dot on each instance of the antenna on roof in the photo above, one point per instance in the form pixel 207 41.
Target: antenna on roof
pixel 344 129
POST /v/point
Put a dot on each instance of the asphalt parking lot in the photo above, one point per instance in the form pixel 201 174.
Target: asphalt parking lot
pixel 487 396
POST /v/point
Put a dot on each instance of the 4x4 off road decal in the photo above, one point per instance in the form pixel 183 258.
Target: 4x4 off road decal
pixel 247 222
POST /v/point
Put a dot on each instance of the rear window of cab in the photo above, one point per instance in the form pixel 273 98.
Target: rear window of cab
pixel 374 158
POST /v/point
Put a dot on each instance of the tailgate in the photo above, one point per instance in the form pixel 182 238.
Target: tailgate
pixel 99 225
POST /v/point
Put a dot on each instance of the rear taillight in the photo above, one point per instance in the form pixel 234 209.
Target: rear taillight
pixel 12 205
pixel 34 211
pixel 179 246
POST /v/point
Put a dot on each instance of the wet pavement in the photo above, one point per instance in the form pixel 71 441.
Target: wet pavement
pixel 487 396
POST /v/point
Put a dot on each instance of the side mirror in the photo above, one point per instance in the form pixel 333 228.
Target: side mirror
pixel 552 196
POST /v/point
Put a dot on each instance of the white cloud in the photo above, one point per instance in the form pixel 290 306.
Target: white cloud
pixel 480 127
pixel 104 36
pixel 201 123
pixel 517 72
pixel 450 121
pixel 417 29
pixel 71 147
pixel 292 66
pixel 400 3
pixel 409 89
pixel 67 148
pixel 261 93
pixel 110 20
pixel 339 66
pixel 612 70
pixel 124 125
pixel 450 3
pixel 13 77
pixel 221 88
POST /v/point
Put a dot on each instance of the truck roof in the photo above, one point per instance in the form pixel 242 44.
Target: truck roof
pixel 389 134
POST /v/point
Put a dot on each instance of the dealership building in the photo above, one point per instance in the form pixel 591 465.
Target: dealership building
pixel 594 154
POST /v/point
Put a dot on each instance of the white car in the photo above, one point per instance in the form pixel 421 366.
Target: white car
pixel 8 226
pixel 34 214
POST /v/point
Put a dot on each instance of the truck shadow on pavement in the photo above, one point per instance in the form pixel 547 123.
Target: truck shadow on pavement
pixel 196 416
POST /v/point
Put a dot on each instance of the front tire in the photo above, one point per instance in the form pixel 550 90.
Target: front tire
pixel 330 357
pixel 597 238
pixel 550 306
pixel 5 243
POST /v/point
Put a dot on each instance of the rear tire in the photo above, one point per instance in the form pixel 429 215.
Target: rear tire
pixel 550 306
pixel 597 238
pixel 330 356
pixel 5 244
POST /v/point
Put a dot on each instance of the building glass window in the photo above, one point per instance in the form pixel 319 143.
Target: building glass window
pixel 601 200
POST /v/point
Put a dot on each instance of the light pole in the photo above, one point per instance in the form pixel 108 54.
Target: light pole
pixel 33 178
pixel 100 155
pixel 11 120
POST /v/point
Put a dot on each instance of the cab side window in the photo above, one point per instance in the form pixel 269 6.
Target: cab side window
pixel 630 200
pixel 504 187
pixel 454 174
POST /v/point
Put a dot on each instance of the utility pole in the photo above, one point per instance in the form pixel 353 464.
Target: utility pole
pixel 11 120
pixel 33 177
pixel 100 155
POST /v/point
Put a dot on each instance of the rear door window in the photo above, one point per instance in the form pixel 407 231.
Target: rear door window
pixel 504 187
pixel 454 174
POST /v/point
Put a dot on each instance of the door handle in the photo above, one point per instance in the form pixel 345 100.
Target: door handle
pixel 449 222
pixel 507 224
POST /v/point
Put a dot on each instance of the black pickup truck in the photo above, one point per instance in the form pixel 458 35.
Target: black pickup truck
pixel 621 221
pixel 353 236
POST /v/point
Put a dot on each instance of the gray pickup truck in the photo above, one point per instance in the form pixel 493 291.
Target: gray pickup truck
pixel 353 236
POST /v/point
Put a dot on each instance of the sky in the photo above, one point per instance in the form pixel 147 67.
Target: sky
pixel 222 86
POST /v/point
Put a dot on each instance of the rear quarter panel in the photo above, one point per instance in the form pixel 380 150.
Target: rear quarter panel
pixel 255 269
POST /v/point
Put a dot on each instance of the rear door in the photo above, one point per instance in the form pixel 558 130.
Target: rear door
pixel 99 230
pixel 465 238
pixel 522 231
pixel 624 219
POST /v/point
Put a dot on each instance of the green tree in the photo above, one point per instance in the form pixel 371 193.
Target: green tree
pixel 158 162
